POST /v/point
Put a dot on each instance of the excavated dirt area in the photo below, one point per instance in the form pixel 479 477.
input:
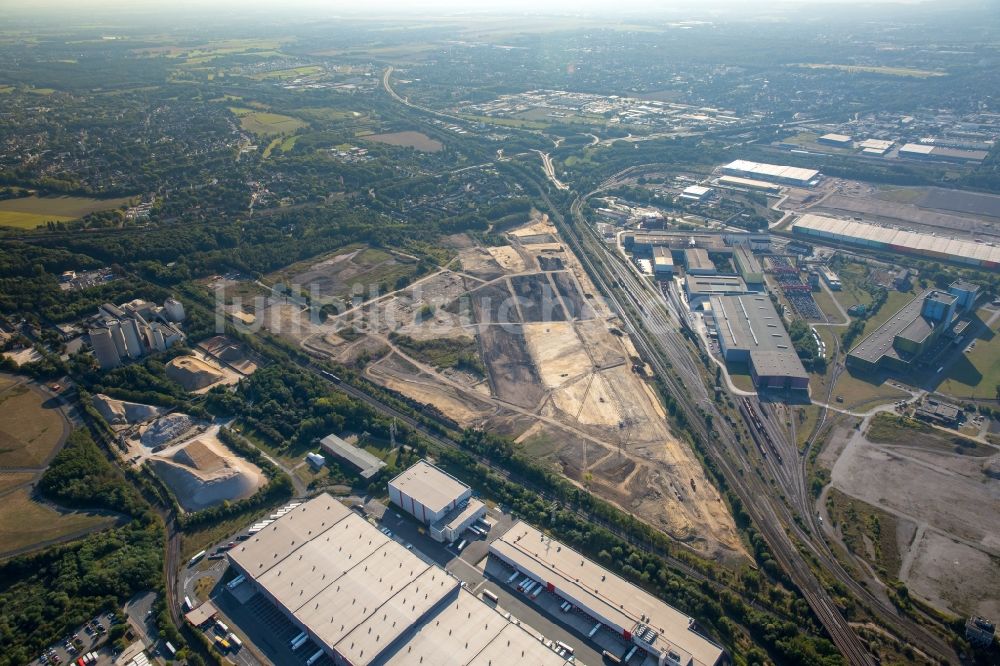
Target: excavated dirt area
pixel 204 472
pixel 198 373
pixel 560 377
pixel 120 413
pixel 953 558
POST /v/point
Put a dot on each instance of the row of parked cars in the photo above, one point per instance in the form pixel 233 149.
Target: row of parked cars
pixel 73 644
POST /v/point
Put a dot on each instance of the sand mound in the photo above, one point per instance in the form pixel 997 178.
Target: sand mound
pixel 203 474
pixel 198 456
pixel 165 429
pixel 119 412
pixel 193 373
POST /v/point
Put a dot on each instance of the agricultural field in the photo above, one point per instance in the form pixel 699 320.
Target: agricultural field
pixel 291 73
pixel 416 140
pixel 33 211
pixel 26 523
pixel 31 428
pixel 264 123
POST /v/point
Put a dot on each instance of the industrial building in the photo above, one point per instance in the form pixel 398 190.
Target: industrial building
pixel 750 331
pixel 699 288
pixel 133 330
pixel 773 173
pixel 697 193
pixel 748 266
pixel 437 499
pixel 721 242
pixel 889 239
pixel 663 262
pixel 749 184
pixel 938 412
pixel 980 632
pixel 919 151
pixel 363 598
pixel 649 624
pixel 838 140
pixel 696 262
pixel 364 463
pixel 899 342
pixel 876 147
pixel 831 278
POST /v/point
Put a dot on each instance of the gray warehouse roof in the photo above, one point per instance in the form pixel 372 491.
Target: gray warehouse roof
pixel 908 322
pixel 696 259
pixel 707 285
pixel 432 487
pixel 860 232
pixel 768 171
pixel 750 322
pixel 359 592
pixel 601 591
pixel 746 260
pixel 364 461
pixel 470 632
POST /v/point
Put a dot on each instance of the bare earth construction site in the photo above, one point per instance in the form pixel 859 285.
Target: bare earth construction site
pixel 514 339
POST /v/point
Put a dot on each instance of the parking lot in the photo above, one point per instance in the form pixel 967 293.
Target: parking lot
pixel 83 640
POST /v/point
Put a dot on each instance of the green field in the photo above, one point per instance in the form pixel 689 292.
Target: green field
pixel 904 431
pixel 978 374
pixel 328 113
pixel 33 211
pixel 292 73
pixel 30 430
pixel 281 144
pixel 11 480
pixel 868 532
pixel 25 523
pixel 263 123
pixel 890 71
pixel 416 140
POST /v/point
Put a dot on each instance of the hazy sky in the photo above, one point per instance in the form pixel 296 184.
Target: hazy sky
pixel 450 6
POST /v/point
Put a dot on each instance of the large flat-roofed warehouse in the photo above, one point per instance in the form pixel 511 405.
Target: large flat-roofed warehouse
pixel 747 266
pixel 365 463
pixel 437 499
pixel 920 151
pixel 646 622
pixel 888 239
pixel 749 184
pixel 663 261
pixel 723 242
pixel 839 140
pixel 696 262
pixel 773 173
pixel 363 598
pixel 700 288
pixel 899 342
pixel 750 331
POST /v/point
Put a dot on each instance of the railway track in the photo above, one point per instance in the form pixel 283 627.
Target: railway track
pixel 628 295
pixel 772 517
